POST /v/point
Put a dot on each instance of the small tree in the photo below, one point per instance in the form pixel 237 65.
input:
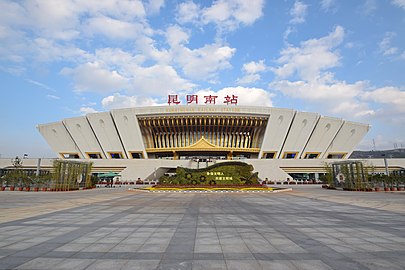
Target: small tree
pixel 329 174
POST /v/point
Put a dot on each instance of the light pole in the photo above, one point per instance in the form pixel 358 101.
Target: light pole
pixel 386 165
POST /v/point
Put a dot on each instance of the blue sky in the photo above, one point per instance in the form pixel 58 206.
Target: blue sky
pixel 66 58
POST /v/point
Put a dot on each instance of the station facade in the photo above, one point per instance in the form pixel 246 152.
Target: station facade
pixel 145 142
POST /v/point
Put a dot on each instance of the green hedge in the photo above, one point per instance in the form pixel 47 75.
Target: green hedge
pixel 225 173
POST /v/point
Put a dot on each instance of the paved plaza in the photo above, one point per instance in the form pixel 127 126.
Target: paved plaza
pixel 308 228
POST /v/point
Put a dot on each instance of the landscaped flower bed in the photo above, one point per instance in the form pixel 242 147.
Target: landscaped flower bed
pixel 208 188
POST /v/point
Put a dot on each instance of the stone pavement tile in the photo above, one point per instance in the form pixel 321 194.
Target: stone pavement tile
pixel 257 247
pixel 242 265
pixel 175 265
pixel 89 255
pixel 110 240
pixel 343 248
pixel 20 245
pixel 158 240
pixel 393 246
pixel 99 247
pixel 73 264
pixel 380 264
pixel 343 263
pixel 212 265
pixel 147 247
pixel 289 248
pixel 6 252
pixel 238 256
pixel 208 256
pixel 72 247
pixel 10 262
pixel 84 240
pixel 134 240
pixel 40 263
pixel 103 264
pixel 277 264
pixel 242 248
pixel 209 248
pixel 125 248
pixel 7 242
pixel 207 241
pixel 311 265
pixel 140 265
pixel 36 251
pixel 270 256
pixel 369 247
pixel 178 256
pixel 59 254
pixel 330 241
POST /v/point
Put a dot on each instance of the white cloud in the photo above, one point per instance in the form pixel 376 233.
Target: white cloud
pixel 154 6
pixel 42 85
pixel 246 96
pixel 93 77
pixel 204 62
pixel 188 12
pixel 391 96
pixel 254 67
pixel 385 45
pixel 176 36
pixel 147 47
pixel 336 97
pixel 249 78
pixel 399 3
pixel 298 13
pixel 304 74
pixel 118 101
pixel 327 5
pixel 113 28
pixel 158 80
pixel 251 71
pixel 53 97
pixel 226 14
pixel 311 58
pixel 369 7
pixel 309 65
pixel 86 110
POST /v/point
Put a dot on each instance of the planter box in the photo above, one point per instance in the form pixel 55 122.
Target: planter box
pixel 20 189
pixel 377 189
pixel 12 188
pixel 44 189
pixel 36 189
pixel 3 188
pixel 392 189
pixel 27 188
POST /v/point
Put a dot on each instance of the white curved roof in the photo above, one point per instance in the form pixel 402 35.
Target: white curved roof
pixel 287 131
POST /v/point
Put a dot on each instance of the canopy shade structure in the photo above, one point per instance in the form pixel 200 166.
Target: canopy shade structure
pixel 109 174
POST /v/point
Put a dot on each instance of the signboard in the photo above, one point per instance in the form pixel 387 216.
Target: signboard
pixel 210 99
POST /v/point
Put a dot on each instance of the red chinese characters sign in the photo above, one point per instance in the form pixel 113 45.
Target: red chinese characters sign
pixel 210 99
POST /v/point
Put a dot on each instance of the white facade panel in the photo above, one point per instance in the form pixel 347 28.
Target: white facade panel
pixel 104 128
pixel 59 139
pixel 301 128
pixel 81 132
pixel 322 136
pixel 277 127
pixel 347 138
pixel 128 128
